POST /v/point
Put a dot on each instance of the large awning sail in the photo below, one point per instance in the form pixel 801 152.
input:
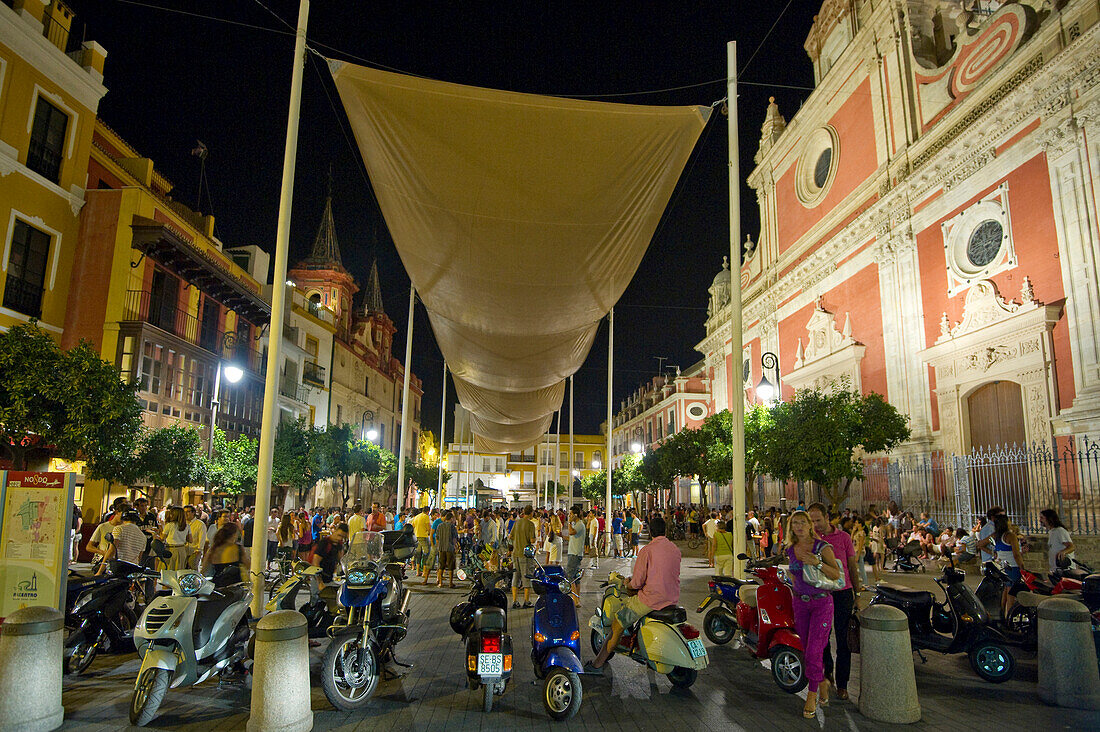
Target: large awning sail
pixel 520 219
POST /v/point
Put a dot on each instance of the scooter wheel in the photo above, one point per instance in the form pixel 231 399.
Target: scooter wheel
pixel 992 661
pixel 598 640
pixel 682 678
pixel 79 657
pixel 148 694
pixel 561 693
pixel 487 697
pixel 719 626
pixel 788 669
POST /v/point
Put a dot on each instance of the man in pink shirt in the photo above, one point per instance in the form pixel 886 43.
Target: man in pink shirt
pixel 654 585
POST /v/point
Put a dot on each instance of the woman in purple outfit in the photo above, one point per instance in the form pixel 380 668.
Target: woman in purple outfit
pixel 813 607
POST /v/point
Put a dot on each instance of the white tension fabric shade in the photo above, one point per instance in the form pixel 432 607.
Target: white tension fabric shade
pixel 520 220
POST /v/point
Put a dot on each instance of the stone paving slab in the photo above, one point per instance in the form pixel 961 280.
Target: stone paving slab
pixel 733 693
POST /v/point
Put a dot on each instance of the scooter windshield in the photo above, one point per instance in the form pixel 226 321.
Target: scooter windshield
pixel 366 546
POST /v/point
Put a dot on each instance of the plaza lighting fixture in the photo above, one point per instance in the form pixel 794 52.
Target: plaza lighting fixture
pixel 372 434
pixel 595 464
pixel 636 448
pixel 233 373
pixel 768 392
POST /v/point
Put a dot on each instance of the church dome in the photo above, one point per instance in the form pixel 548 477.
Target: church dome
pixel 723 276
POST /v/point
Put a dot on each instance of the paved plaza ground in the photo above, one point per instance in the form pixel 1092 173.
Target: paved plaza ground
pixel 733 693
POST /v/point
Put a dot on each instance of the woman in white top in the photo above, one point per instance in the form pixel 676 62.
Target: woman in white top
pixel 175 534
pixel 1059 543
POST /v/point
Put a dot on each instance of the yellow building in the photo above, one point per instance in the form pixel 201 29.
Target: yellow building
pixel 48 103
pixel 162 298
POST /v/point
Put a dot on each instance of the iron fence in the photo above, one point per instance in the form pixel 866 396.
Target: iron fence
pixel 1063 474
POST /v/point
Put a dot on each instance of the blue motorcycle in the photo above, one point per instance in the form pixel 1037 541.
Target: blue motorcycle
pixel 374 617
pixel 720 623
pixel 555 641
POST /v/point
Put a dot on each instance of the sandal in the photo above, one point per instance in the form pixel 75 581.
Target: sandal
pixel 809 713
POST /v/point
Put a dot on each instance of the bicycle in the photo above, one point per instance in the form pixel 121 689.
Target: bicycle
pixel 694 541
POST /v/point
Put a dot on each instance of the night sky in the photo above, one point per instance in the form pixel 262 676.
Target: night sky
pixel 175 78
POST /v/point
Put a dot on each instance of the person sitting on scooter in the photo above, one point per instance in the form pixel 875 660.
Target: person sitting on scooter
pixel 655 585
pixel 326 555
pixel 226 557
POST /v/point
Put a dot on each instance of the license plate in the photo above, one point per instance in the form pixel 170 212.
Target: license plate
pixel 696 649
pixel 490 664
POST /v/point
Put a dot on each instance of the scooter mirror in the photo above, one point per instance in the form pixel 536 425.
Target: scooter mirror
pixel 529 552
pixel 742 556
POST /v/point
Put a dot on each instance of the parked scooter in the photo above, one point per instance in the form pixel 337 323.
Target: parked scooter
pixel 186 637
pixel 960 624
pixel 720 622
pixel 376 619
pixel 663 640
pixel 555 641
pixel 765 618
pixel 482 621
pixel 105 617
pixel 284 597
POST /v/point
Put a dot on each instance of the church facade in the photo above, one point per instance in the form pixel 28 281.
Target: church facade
pixel 929 223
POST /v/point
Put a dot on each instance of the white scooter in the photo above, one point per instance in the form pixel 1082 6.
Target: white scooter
pixel 188 636
pixel 663 640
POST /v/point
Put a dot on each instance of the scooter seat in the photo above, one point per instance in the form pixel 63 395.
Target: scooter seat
pixel 719 579
pixel 671 614
pixel 747 593
pixel 490 618
pixel 904 594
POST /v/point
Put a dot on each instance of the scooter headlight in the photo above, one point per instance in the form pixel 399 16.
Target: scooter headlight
pixel 360 578
pixel 564 587
pixel 191 583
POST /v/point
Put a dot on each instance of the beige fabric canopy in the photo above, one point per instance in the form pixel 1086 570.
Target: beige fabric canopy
pixel 520 220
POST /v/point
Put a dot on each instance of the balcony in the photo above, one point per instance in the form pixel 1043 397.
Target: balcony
pixel 140 308
pixel 313 374
pixel 294 391
pixel 513 458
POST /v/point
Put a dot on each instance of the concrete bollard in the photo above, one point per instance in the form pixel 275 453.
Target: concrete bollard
pixel 1068 675
pixel 280 675
pixel 30 670
pixel 887 681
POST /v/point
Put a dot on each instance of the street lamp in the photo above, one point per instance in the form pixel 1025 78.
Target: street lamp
pixel 368 426
pixel 768 392
pixel 595 464
pixel 636 448
pixel 372 434
pixel 233 374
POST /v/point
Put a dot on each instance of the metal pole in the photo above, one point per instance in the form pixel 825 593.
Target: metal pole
pixel 215 403
pixel 607 455
pixel 442 428
pixel 557 460
pixel 572 455
pixel 737 408
pixel 405 403
pixel 275 332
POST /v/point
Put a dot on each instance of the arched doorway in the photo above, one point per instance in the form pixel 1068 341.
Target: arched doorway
pixel 998 474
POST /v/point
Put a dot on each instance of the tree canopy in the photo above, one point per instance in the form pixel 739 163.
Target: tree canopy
pixel 234 464
pixel 170 457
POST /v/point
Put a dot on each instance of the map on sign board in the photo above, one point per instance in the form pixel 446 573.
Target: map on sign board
pixel 34 534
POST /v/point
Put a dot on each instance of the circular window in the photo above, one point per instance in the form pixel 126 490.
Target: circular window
pixel 985 243
pixel 817 166
pixel 697 411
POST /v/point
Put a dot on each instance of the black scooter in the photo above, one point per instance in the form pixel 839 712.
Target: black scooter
pixel 960 624
pixel 482 621
pixel 105 616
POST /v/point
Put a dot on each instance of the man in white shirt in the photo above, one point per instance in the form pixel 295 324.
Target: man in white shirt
pixel 196 536
pixel 357 522
pixel 710 527
pixel 272 539
pixel 101 537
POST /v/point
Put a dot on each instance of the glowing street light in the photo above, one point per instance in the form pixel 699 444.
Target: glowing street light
pixel 595 464
pixel 372 434
pixel 767 391
pixel 636 448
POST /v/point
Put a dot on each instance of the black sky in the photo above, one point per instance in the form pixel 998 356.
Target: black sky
pixel 175 78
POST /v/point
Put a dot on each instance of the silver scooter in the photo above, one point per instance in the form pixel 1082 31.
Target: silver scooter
pixel 188 636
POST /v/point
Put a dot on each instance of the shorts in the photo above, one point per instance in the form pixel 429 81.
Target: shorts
pixel 634 539
pixel 573 567
pixel 632 611
pixel 523 568
pixel 304 546
pixel 272 547
pixel 618 542
pixel 447 560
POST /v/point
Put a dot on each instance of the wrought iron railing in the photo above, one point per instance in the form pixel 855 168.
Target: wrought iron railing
pixel 313 374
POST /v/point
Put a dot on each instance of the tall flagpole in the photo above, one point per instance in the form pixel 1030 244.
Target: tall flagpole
pixel 737 408
pixel 275 329
pixel 607 455
pixel 401 487
pixel 572 456
pixel 442 429
pixel 557 461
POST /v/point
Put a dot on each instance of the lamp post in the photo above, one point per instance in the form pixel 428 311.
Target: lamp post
pixel 233 374
pixel 768 392
pixel 368 426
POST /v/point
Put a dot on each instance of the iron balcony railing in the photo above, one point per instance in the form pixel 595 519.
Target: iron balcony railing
pixel 141 308
pixel 292 390
pixel 513 458
pixel 313 374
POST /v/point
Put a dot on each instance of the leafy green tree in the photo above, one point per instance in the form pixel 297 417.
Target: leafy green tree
pixel 171 457
pixel 71 404
pixel 656 475
pixel 295 464
pixel 821 436
pixel 333 449
pixel 425 476
pixel 372 465
pixel 234 464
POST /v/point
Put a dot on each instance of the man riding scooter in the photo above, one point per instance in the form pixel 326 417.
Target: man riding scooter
pixel 655 584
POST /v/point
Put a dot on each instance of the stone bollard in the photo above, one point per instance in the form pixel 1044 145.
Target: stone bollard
pixel 30 670
pixel 280 675
pixel 1068 675
pixel 887 681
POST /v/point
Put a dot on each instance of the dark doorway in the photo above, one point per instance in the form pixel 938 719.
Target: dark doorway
pixel 998 444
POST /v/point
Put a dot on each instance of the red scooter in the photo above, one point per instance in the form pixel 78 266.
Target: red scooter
pixel 765 619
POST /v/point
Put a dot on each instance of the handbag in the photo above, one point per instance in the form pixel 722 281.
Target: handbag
pixel 811 575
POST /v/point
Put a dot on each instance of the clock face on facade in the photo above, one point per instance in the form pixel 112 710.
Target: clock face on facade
pixel 984 243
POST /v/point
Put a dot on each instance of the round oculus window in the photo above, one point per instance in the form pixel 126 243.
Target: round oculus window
pixel 696 411
pixel 984 243
pixel 817 166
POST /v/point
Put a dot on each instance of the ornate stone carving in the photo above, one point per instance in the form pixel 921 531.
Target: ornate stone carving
pixel 1058 139
pixel 1027 293
pixel 984 306
pixel 982 359
pixel 823 338
pixel 1088 116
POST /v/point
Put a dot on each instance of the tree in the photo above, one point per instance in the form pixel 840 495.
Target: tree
pixel 655 473
pixel 425 476
pixel 233 467
pixel 70 404
pixel 171 458
pixel 371 464
pixel 295 462
pixel 821 435
pixel 333 450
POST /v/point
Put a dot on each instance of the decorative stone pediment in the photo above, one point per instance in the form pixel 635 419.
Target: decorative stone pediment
pixel 830 357
pixel 823 338
pixel 985 307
